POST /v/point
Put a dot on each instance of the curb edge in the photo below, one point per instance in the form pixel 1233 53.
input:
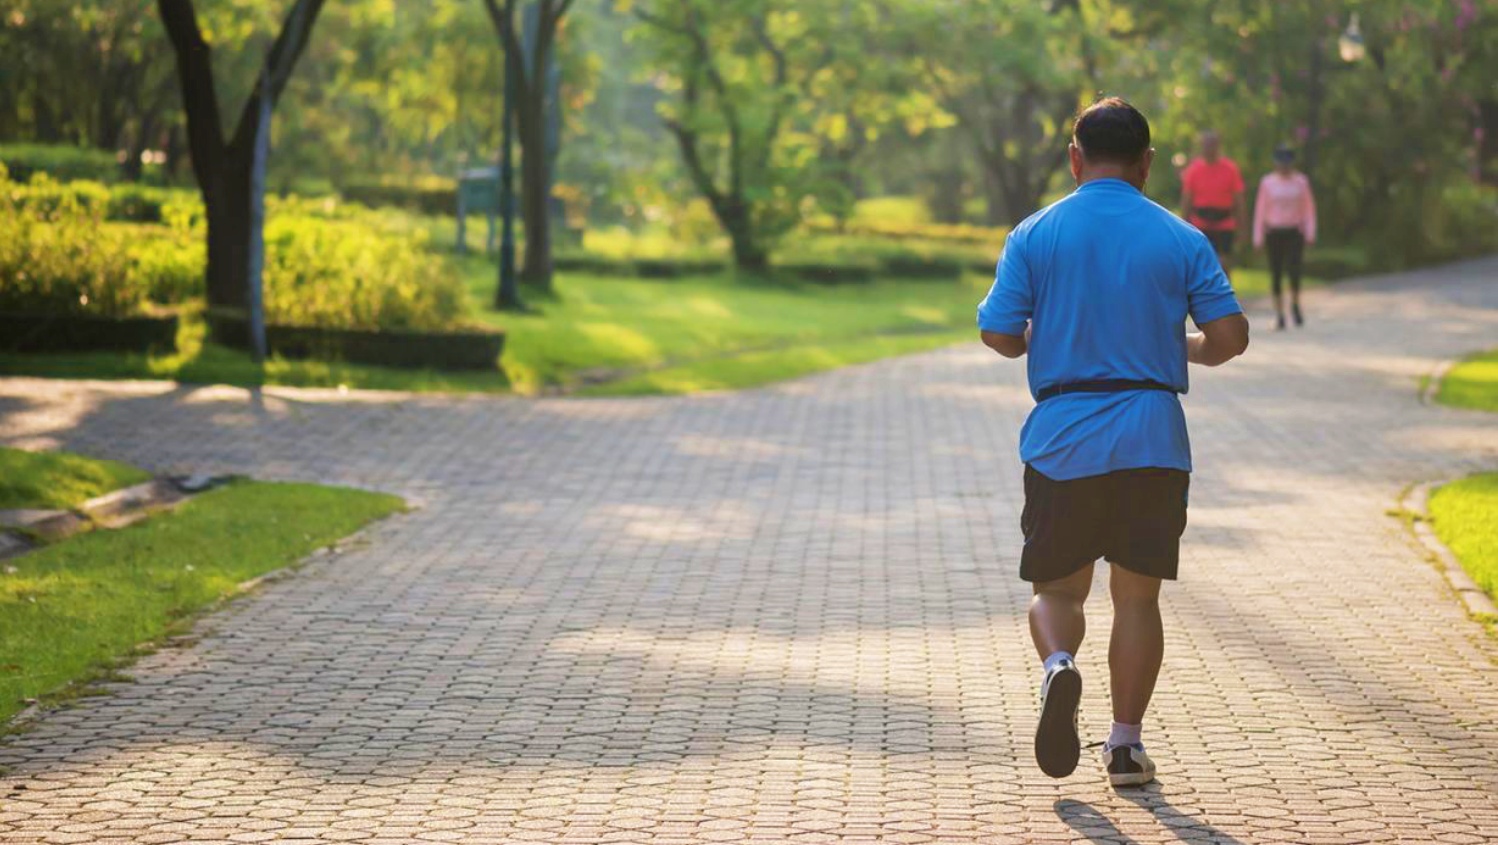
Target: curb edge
pixel 1414 502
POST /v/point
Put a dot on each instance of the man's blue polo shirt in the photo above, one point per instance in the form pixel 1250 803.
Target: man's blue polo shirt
pixel 1106 277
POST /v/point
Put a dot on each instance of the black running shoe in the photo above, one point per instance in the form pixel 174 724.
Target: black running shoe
pixel 1128 765
pixel 1295 310
pixel 1057 747
pixel 1279 322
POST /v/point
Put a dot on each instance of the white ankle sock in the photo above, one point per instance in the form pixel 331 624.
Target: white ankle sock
pixel 1057 657
pixel 1124 735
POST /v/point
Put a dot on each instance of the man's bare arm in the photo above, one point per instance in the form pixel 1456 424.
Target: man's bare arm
pixel 1008 345
pixel 1219 341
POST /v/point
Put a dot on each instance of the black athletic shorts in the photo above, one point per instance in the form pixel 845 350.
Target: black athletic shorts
pixel 1221 240
pixel 1134 518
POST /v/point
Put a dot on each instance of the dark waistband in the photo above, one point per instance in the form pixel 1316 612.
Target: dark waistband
pixel 1103 385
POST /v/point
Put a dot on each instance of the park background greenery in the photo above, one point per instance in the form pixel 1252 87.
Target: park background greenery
pixel 751 189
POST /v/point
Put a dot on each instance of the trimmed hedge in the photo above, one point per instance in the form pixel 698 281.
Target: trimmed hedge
pixel 125 203
pixel 1336 262
pixel 923 266
pixel 60 162
pixel 675 268
pixel 434 198
pixel 22 332
pixel 460 350
pixel 900 231
pixel 645 268
pixel 828 273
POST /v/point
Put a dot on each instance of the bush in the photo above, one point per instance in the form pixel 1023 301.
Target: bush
pixel 911 259
pixel 343 274
pixel 895 210
pixel 675 268
pixel 335 267
pixel 1336 262
pixel 127 202
pixel 432 196
pixel 144 204
pixel 579 261
pixel 828 272
pixel 170 264
pixel 1466 224
pixel 62 258
pixel 63 163
pixel 901 231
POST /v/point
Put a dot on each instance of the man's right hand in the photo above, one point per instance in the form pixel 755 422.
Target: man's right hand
pixel 1219 341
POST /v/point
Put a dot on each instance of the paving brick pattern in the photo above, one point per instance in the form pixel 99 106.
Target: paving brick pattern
pixel 792 615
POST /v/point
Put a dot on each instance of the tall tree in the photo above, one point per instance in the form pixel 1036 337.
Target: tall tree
pixel 734 79
pixel 223 165
pixel 529 71
pixel 1014 73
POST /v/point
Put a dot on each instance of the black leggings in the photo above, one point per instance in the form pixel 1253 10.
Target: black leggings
pixel 1286 249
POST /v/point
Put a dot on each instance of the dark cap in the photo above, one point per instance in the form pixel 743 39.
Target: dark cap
pixel 1284 154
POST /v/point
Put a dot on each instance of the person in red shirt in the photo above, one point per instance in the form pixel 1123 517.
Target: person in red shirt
pixel 1212 197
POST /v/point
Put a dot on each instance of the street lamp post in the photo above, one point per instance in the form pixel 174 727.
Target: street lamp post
pixel 508 297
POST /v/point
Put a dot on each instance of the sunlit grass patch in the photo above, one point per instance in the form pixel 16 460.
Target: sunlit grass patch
pixel 752 369
pixel 1472 384
pixel 59 480
pixel 1465 516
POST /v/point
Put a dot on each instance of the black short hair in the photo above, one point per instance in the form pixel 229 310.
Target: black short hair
pixel 1111 131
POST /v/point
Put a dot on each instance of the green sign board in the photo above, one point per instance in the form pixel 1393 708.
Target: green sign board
pixel 478 191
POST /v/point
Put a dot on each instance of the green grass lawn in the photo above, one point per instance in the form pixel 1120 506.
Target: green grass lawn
pixel 1465 516
pixel 1472 384
pixel 74 611
pixel 57 480
pixel 681 335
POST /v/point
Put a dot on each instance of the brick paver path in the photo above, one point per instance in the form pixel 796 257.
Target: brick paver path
pixel 791 615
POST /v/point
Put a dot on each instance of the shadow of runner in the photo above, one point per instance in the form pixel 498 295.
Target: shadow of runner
pixel 1091 823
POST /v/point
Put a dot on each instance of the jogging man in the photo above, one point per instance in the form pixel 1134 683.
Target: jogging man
pixel 1097 288
pixel 1212 197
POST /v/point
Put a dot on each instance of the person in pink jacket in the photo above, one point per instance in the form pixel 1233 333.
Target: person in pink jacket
pixel 1284 224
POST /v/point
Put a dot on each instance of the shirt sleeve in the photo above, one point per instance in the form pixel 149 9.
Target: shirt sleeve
pixel 1238 186
pixel 1209 293
pixel 1308 218
pixel 1010 302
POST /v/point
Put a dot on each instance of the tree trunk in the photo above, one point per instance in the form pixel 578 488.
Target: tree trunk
pixel 139 141
pixel 176 152
pixel 535 200
pixel 1316 93
pixel 946 198
pixel 995 209
pixel 1487 148
pixel 46 122
pixel 223 166
pixel 1012 195
pixel 228 214
pixel 748 252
